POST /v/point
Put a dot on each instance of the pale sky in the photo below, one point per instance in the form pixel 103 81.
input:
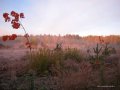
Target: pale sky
pixel 83 17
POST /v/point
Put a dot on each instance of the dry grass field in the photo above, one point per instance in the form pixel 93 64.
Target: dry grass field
pixel 60 63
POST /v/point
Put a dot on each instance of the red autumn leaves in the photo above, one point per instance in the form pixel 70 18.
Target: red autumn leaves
pixel 28 44
pixel 7 18
pixel 14 18
pixel 12 37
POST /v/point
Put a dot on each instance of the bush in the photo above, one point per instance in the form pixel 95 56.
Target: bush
pixel 73 54
pixel 44 59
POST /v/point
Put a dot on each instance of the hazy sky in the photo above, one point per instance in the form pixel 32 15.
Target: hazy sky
pixel 83 17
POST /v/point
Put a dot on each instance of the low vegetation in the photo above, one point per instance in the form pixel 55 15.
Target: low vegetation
pixel 45 59
pixel 60 68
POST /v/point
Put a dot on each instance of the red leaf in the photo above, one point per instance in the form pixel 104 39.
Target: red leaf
pixel 13 13
pixel 11 38
pixel 14 35
pixel 6 17
pixel 22 15
pixel 26 35
pixel 5 38
pixel 12 22
pixel 16 15
pixel 15 25
pixel 28 45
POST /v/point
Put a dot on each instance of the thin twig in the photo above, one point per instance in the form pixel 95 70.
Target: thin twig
pixel 27 39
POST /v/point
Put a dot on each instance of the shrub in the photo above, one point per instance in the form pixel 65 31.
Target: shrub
pixel 44 59
pixel 72 54
pixel 99 56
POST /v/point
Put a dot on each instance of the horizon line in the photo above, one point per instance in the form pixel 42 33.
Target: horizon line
pixel 64 35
